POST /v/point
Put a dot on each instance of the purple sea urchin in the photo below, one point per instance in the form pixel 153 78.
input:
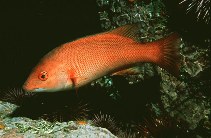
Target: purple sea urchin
pixel 127 134
pixel 200 7
pixel 162 127
pixel 15 95
pixel 76 111
pixel 79 111
pixel 105 121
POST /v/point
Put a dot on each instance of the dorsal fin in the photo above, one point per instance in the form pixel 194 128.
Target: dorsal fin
pixel 130 31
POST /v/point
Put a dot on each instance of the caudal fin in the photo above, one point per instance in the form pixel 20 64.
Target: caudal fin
pixel 170 59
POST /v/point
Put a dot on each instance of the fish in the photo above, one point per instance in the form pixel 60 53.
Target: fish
pixel 77 63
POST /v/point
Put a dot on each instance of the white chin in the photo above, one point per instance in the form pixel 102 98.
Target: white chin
pixel 39 90
pixel 42 90
pixel 50 90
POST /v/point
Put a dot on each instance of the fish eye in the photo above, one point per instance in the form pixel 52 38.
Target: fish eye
pixel 43 76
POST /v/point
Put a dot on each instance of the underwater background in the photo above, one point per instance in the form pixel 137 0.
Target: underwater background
pixel 150 104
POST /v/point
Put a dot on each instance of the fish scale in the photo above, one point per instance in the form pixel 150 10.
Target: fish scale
pixel 78 63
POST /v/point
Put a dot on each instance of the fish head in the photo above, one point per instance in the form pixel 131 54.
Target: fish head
pixel 48 77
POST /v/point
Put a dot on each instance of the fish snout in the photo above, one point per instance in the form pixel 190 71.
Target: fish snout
pixel 27 88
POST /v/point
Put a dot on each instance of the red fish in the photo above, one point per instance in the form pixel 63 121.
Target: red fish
pixel 82 61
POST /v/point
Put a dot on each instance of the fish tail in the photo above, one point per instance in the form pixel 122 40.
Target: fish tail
pixel 169 57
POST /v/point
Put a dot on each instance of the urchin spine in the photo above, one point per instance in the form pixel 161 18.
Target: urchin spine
pixel 201 7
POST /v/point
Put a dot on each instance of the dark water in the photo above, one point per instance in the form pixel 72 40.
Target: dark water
pixel 29 29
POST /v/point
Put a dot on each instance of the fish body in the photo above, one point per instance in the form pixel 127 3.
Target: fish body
pixel 77 63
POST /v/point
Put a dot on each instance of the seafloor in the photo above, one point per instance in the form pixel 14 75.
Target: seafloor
pixel 152 103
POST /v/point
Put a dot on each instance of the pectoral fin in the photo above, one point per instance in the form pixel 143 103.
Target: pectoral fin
pixel 76 80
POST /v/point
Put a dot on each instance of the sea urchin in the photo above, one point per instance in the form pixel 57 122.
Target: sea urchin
pixel 105 121
pixel 16 95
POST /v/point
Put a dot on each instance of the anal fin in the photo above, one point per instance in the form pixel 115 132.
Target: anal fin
pixel 130 71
